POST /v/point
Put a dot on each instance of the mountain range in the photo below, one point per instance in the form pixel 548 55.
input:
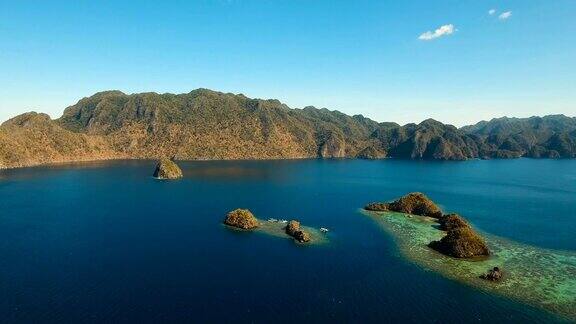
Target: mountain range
pixel 210 125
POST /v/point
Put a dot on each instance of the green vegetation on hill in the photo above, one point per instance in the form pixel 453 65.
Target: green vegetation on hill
pixel 32 139
pixel 205 124
pixel 552 136
pixel 428 140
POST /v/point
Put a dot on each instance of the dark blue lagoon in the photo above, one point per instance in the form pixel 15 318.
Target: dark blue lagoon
pixel 105 242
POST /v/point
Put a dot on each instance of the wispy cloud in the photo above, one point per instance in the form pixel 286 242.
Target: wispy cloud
pixel 505 15
pixel 441 31
pixel 491 12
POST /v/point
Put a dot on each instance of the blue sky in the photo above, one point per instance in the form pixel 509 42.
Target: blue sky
pixel 370 57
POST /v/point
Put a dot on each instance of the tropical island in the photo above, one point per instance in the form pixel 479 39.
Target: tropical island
pixel 209 125
pixel 449 245
pixel 460 241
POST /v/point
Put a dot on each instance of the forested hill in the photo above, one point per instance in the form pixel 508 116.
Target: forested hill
pixel 550 136
pixel 207 125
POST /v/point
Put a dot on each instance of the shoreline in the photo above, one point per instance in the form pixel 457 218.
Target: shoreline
pixel 127 158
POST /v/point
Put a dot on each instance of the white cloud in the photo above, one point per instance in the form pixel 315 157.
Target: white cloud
pixel 491 12
pixel 505 15
pixel 441 31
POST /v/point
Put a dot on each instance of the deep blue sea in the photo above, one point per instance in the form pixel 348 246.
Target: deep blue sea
pixel 105 242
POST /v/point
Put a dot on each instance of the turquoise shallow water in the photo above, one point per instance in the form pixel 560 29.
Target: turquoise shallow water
pixel 105 242
pixel 541 277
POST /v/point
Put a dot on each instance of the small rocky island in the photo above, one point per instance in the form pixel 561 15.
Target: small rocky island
pixel 460 241
pixel 414 203
pixel 167 169
pixel 494 274
pixel 241 218
pixel 293 229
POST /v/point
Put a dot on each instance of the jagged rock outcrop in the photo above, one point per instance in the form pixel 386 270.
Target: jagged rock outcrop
pixel 241 218
pixel 415 203
pixel 461 242
pixel 293 229
pixel 167 169
pixel 494 274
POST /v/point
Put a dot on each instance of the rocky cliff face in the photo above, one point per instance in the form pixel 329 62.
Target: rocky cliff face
pixel 205 124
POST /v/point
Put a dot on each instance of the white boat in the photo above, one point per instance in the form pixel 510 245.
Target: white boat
pixel 273 220
pixel 283 221
pixel 323 230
